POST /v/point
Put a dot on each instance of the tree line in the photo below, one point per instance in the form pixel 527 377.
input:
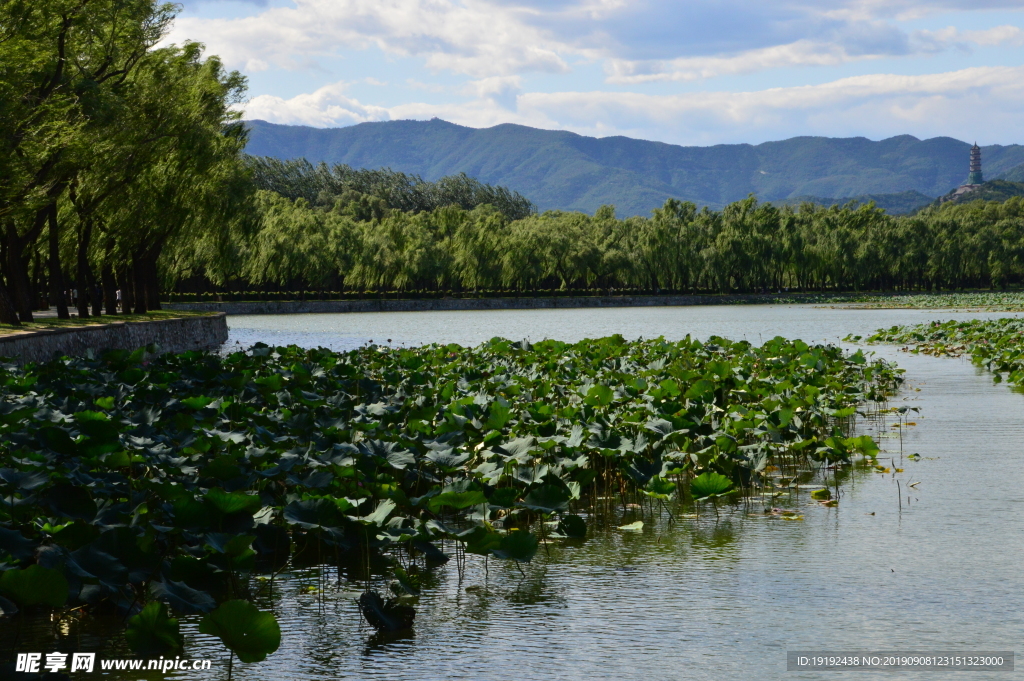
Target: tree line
pixel 111 150
pixel 357 242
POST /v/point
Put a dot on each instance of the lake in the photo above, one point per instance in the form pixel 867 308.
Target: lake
pixel 934 566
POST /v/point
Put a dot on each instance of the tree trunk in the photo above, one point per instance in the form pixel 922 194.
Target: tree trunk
pixel 126 282
pixel 138 284
pixel 109 289
pixel 39 299
pixel 56 275
pixel 8 313
pixel 19 287
pixel 84 274
pixel 152 279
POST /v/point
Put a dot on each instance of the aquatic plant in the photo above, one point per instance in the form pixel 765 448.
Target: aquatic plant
pixel 130 483
pixel 995 344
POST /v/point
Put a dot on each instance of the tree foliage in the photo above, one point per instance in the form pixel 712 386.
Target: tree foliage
pixel 110 148
pixel 747 247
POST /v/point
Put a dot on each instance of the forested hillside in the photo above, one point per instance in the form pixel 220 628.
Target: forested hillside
pixel 565 171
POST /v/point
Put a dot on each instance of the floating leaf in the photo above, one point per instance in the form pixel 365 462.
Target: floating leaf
pixel 638 526
pixel 244 629
pixel 152 632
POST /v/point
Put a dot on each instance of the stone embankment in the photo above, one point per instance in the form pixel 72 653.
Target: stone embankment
pixel 171 335
pixel 444 304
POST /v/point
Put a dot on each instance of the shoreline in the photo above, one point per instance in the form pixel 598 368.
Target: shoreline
pixel 453 304
pixel 178 334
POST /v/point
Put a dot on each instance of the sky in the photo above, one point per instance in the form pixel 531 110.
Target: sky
pixel 675 71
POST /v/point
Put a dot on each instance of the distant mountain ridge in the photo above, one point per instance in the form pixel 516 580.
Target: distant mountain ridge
pixel 566 171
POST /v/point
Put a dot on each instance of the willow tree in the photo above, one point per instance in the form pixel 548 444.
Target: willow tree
pixel 61 63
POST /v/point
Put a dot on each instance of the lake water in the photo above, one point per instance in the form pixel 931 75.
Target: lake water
pixel 936 569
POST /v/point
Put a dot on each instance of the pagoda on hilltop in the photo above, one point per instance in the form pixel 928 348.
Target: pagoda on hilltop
pixel 975 177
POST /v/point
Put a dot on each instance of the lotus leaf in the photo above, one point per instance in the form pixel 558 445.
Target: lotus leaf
pixel 152 632
pixel 573 527
pixel 709 485
pixel 548 498
pixel 520 546
pixel 35 585
pixel 245 630
pixel 385 615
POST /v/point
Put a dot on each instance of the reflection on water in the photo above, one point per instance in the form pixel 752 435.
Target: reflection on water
pixel 693 598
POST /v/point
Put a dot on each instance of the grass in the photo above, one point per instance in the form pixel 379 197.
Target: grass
pixel 45 323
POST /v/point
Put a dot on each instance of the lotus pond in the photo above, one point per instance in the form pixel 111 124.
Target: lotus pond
pixel 549 510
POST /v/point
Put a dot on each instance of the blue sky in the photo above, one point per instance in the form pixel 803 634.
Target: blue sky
pixel 682 72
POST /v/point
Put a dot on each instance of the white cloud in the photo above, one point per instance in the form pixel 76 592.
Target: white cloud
pixel 804 53
pixel 639 41
pixel 472 37
pixel 326 107
pixel 984 102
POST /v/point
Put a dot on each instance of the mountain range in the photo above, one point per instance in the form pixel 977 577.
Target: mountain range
pixel 560 170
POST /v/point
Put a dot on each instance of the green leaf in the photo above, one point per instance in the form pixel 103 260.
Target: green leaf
pixel 599 396
pixel 380 514
pixel 385 615
pixel 35 585
pixel 547 498
pixel 482 542
pixel 700 390
pixel 245 630
pixel 519 545
pixel 182 597
pixel 457 500
pixel 106 403
pixel 152 632
pixel 633 527
pixel 197 402
pixel 498 416
pixel 659 488
pixel 233 502
pixel 821 494
pixel 573 527
pixel 709 484
pixel 504 497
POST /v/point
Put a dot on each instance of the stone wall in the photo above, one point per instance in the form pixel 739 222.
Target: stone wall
pixel 172 335
pixel 331 306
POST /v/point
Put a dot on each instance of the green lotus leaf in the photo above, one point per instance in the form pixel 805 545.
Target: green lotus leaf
pixel 233 502
pixel 519 545
pixel 659 488
pixel 573 527
pixel 197 402
pixel 599 396
pixel 385 615
pixel 504 497
pixel 183 598
pixel 482 541
pixel 548 498
pixel 152 632
pixel 457 500
pixel 709 484
pixel 35 585
pixel 248 632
